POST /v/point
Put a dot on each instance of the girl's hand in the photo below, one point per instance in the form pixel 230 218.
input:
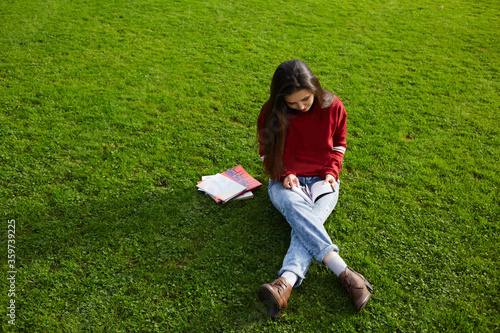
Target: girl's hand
pixel 330 179
pixel 291 180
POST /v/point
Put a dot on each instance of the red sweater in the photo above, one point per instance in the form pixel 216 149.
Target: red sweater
pixel 315 142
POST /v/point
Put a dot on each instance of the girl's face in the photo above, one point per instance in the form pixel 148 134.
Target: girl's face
pixel 301 100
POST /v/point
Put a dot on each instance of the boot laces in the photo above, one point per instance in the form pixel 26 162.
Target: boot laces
pixel 280 286
pixel 349 280
pixel 346 283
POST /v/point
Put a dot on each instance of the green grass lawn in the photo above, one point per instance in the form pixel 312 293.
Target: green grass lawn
pixel 111 111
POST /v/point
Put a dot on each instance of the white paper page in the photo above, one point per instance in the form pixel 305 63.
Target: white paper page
pixel 302 191
pixel 319 188
pixel 221 187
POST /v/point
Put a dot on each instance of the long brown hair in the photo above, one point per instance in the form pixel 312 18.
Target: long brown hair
pixel 290 77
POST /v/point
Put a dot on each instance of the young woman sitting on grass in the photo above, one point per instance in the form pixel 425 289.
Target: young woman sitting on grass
pixel 302 140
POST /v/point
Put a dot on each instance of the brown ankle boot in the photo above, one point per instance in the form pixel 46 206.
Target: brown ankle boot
pixel 275 295
pixel 356 284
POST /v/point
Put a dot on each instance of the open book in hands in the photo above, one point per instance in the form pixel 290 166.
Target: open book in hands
pixel 313 193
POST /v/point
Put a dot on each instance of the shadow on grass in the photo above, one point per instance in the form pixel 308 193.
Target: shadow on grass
pixel 174 260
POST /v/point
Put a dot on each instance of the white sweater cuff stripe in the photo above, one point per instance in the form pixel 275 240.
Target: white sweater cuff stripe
pixel 339 148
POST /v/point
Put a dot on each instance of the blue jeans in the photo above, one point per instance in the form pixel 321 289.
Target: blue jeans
pixel 309 238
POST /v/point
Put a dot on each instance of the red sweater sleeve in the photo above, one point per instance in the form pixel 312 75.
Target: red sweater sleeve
pixel 338 118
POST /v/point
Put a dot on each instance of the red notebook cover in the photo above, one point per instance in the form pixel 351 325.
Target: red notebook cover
pixel 239 175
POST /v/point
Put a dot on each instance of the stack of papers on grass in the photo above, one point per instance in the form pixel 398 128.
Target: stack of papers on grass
pixel 221 187
pixel 233 184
